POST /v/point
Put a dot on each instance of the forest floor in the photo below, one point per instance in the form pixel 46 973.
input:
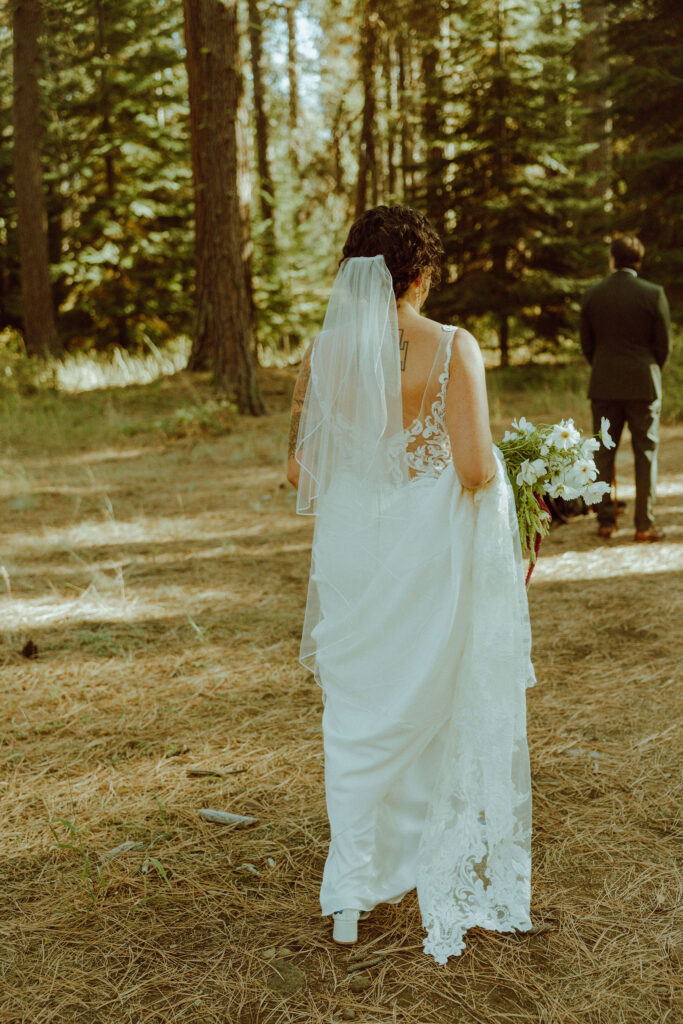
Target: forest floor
pixel 161 581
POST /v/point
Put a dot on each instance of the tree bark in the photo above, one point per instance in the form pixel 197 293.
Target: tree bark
pixel 367 163
pixel 337 133
pixel 504 339
pixel 266 191
pixel 293 81
pixel 223 333
pixel 402 43
pixel 432 111
pixel 594 66
pixel 391 103
pixel 40 332
pixel 118 284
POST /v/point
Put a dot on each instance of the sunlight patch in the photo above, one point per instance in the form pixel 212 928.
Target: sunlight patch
pixel 610 562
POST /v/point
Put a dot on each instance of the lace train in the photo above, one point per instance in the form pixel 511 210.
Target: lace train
pixel 474 862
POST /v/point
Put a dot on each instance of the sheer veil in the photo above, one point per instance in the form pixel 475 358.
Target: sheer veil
pixel 350 450
pixel 352 413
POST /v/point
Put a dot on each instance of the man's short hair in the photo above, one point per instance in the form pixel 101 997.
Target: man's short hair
pixel 627 251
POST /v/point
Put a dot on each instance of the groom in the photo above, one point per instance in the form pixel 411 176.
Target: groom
pixel 625 336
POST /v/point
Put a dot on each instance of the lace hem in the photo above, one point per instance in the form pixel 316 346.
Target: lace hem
pixel 475 852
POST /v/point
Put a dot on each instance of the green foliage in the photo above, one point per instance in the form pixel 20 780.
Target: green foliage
pixel 514 187
pixel 672 377
pixel 117 171
pixel 647 91
pixel 18 372
pixel 91 875
pixel 211 418
pixel 483 119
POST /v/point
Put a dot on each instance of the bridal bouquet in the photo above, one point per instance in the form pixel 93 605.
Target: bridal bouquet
pixel 554 460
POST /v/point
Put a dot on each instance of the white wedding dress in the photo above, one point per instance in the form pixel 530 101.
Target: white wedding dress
pixel 418 632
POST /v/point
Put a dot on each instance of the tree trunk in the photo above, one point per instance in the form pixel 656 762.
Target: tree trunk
pixel 367 164
pixel 55 238
pixel 403 102
pixel 293 81
pixel 266 191
pixel 119 287
pixel 223 330
pixel 336 131
pixel 40 332
pixel 244 190
pixel 391 103
pixel 499 251
pixel 593 65
pixel 504 339
pixel 432 112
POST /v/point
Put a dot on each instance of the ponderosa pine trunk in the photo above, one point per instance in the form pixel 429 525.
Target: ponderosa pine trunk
pixel 40 332
pixel 406 142
pixel 223 332
pixel 428 17
pixel 119 317
pixel 504 339
pixel 367 163
pixel 391 104
pixel 293 81
pixel 266 191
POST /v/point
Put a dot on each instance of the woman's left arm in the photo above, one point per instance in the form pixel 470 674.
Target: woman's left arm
pixel 293 467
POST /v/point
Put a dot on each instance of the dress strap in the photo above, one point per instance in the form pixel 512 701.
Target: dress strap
pixel 445 374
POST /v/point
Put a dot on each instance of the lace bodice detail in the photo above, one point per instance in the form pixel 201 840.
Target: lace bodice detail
pixel 428 446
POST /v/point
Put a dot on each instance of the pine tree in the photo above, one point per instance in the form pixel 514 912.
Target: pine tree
pixel 223 324
pixel 647 90
pixel 40 333
pixel 514 187
pixel 261 127
pixel 120 177
pixel 366 189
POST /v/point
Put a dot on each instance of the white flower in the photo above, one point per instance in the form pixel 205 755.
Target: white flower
pixel 589 447
pixel 594 492
pixel 523 426
pixel 554 486
pixel 530 472
pixel 581 473
pixel 510 435
pixel 604 433
pixel 568 492
pixel 563 435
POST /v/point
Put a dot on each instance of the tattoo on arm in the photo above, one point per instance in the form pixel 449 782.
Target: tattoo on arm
pixel 298 404
pixel 403 346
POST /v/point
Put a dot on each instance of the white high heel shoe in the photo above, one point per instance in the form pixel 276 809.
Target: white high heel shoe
pixel 345 928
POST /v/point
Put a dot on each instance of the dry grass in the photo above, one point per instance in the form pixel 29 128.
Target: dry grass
pixel 163 584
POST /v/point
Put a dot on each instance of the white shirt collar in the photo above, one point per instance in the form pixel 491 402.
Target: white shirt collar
pixel 629 270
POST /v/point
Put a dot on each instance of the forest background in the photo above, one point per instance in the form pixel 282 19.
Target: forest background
pixel 153 573
pixel 529 132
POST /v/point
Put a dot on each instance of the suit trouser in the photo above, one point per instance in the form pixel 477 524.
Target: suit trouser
pixel 643 422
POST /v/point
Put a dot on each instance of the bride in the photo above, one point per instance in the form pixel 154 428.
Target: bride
pixel 416 625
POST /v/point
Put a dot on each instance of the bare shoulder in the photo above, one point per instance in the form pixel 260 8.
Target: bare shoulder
pixel 466 354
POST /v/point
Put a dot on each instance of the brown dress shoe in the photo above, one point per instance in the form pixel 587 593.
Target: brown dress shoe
pixel 606 531
pixel 649 536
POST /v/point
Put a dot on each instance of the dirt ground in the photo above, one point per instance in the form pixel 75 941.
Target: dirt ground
pixel 156 588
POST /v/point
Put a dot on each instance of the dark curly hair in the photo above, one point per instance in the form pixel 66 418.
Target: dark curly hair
pixel 404 237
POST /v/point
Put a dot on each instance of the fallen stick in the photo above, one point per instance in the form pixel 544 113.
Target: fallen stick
pixel 226 818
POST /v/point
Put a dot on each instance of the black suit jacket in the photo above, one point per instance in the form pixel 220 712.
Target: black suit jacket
pixel 625 336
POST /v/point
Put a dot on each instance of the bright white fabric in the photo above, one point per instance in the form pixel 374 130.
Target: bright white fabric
pixel 420 640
